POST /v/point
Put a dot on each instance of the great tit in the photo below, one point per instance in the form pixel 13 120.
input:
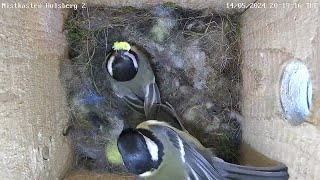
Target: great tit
pixel 132 78
pixel 155 150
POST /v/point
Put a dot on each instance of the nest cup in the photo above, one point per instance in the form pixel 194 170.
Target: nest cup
pixel 195 58
pixel 36 109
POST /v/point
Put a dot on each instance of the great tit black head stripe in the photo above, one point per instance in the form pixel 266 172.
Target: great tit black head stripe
pixel 122 65
pixel 139 151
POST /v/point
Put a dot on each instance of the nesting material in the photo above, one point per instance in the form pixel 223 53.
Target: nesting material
pixel 196 63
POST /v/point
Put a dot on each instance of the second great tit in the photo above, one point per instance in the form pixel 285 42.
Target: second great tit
pixel 132 78
pixel 155 150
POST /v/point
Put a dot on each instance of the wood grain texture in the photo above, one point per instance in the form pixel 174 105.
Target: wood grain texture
pixel 271 38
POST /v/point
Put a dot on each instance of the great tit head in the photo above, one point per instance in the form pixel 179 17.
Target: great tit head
pixel 122 63
pixel 141 151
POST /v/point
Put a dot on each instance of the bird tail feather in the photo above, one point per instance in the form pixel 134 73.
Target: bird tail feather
pixel 233 171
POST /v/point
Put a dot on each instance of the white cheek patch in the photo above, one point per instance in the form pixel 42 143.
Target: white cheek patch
pixel 135 63
pixel 146 174
pixel 153 148
pixel 182 150
pixel 110 62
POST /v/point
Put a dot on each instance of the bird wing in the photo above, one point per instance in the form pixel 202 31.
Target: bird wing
pixel 198 168
pixel 151 100
pixel 233 171
pixel 167 113
pixel 170 110
pixel 134 102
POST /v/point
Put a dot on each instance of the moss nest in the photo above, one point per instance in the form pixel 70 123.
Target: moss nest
pixel 197 66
